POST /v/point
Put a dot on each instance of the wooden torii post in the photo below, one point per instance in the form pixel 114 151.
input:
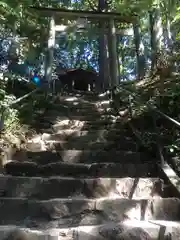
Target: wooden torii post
pixel 56 15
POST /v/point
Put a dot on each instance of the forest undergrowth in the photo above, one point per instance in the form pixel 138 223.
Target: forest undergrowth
pixel 19 115
pixel 144 95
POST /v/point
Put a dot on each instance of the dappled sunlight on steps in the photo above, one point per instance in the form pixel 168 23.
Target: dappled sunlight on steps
pixel 47 188
pixel 126 230
pixel 80 211
pixel 110 169
pixel 83 177
pixel 82 156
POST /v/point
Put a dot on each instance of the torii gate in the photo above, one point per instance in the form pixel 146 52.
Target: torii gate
pixel 56 15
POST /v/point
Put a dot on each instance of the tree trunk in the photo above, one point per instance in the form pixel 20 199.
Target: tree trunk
pixel 167 34
pixel 112 53
pixel 122 73
pixel 153 41
pixel 157 44
pixel 50 52
pixel 140 56
pixel 103 58
pixel 118 57
pixel 156 32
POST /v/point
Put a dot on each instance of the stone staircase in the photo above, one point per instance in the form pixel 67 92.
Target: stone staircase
pixel 85 180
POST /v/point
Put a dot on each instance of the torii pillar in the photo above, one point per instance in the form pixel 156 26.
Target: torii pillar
pixel 113 66
pixel 50 51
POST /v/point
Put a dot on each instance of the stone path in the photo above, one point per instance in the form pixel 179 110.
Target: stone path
pixel 83 178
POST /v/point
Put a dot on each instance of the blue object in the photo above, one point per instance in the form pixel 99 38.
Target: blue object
pixel 37 80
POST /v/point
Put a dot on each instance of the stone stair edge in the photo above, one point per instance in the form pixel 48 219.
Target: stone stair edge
pixel 91 200
pixel 95 188
pixel 96 121
pixel 79 164
pixel 73 212
pixel 133 223
pixel 68 209
pixel 153 228
pixel 29 168
pixel 88 102
pixel 91 131
pixel 67 164
pixel 86 151
pixel 87 119
pixel 109 169
pixel 105 142
pixel 78 178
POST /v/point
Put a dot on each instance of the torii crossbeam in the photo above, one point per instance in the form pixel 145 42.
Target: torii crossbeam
pixel 57 14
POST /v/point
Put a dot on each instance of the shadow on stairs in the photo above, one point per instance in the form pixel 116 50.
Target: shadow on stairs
pixel 84 178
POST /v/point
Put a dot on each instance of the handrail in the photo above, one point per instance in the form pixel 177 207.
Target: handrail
pixel 21 98
pixel 153 108
pixel 4 107
pixel 167 117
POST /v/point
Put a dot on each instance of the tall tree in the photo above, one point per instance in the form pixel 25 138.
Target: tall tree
pixel 140 55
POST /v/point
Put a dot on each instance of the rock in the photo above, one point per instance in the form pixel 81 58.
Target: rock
pixel 17 234
pixel 134 234
pixel 46 137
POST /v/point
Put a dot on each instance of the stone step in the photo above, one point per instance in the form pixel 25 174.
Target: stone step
pixel 74 111
pixel 69 109
pixel 56 125
pixel 78 101
pixel 71 102
pixel 83 125
pixel 80 114
pixel 60 124
pixel 79 211
pixel 82 170
pixel 131 230
pixel 80 107
pixel 127 230
pixel 100 118
pixel 77 125
pixel 91 135
pixel 86 121
pixel 82 145
pixel 99 135
pixel 84 97
pixel 59 187
pixel 83 156
pixel 66 110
